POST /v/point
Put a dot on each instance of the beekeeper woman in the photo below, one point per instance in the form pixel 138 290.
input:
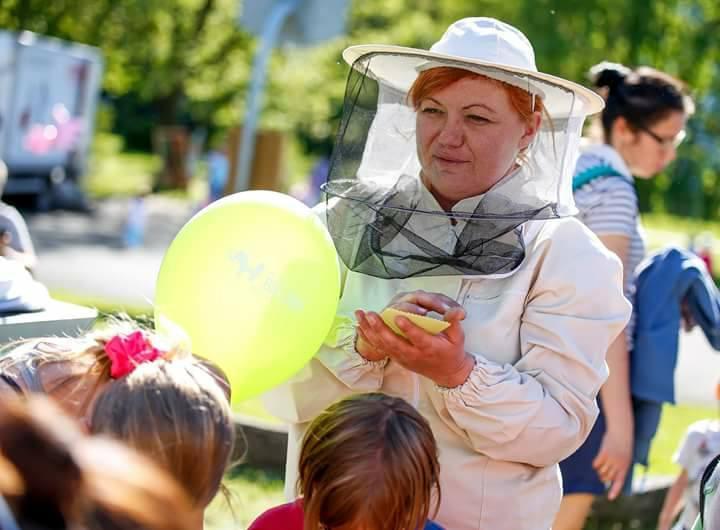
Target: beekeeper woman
pixel 449 194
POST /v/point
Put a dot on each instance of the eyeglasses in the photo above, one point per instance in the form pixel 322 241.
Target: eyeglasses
pixel 666 142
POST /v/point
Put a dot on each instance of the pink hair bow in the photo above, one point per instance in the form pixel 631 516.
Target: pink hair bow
pixel 126 352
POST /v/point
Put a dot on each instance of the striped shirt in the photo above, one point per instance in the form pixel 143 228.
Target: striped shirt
pixel 608 206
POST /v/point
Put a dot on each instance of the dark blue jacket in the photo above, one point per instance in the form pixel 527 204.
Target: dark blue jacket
pixel 664 280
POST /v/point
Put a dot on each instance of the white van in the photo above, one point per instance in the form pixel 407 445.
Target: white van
pixel 48 95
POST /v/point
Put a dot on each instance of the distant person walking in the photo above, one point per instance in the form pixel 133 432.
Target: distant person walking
pixel 218 172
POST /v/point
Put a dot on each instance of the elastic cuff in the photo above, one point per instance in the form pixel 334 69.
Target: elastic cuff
pixel 459 388
pixel 374 364
pixel 348 347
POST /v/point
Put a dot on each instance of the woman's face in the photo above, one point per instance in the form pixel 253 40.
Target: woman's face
pixel 648 151
pixel 468 138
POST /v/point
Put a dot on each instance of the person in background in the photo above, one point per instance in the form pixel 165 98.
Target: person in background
pixel 218 172
pixel 136 221
pixel 699 446
pixel 15 241
pixel 709 504
pixel 367 462
pixel 643 123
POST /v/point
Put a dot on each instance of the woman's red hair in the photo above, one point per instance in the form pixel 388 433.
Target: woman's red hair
pixel 435 79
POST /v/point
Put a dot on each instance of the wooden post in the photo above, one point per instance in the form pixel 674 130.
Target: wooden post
pixel 268 167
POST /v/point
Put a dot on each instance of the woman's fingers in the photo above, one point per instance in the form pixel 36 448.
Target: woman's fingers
pixel 416 335
pixel 435 302
pixel 427 301
pixel 382 335
pixel 409 307
pixel 455 314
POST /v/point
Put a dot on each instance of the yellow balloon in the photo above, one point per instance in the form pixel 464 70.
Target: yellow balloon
pixel 254 282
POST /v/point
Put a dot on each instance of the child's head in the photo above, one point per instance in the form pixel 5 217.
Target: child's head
pixel 52 476
pixel 369 462
pixel 128 383
pixel 175 412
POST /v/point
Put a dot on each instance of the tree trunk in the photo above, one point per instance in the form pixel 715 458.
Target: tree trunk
pixel 169 107
pixel 171 142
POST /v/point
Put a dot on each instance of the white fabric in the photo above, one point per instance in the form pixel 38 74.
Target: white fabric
pixel 487 39
pixel 539 336
pixel 482 44
pixel 18 290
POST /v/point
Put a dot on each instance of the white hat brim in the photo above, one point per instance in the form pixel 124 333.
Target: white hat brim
pixel 592 102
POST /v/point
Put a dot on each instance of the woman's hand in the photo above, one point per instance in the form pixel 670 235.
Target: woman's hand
pixel 441 358
pixel 614 460
pixel 364 347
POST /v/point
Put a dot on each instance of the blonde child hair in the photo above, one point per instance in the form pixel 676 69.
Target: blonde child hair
pixel 176 413
pixel 132 384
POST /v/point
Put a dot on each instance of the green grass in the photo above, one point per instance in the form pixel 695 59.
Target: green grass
pixel 252 492
pixel 113 171
pixel 104 307
pixel 674 422
pixel 685 225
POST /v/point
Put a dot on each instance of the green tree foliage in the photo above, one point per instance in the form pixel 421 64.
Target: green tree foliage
pixel 181 56
pixel 169 61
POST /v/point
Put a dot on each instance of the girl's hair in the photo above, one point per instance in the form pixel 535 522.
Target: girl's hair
pixel 54 477
pixel 175 412
pixel 643 96
pixel 176 408
pixel 369 459
pixel 435 79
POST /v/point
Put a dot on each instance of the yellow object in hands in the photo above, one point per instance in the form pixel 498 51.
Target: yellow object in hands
pixel 431 325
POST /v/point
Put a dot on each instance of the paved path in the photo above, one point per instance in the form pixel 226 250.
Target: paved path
pixel 84 254
pixel 698 370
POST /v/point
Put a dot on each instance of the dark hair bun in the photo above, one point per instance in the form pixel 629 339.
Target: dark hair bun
pixel 610 75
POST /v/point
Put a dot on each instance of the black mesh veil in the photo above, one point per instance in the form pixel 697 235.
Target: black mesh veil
pixel 384 221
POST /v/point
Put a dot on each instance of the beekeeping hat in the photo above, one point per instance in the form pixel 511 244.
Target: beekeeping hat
pixel 384 221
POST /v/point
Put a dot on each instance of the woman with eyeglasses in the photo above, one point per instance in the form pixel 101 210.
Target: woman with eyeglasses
pixel 642 124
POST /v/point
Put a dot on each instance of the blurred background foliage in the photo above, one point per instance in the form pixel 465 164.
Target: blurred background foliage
pixel 187 62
